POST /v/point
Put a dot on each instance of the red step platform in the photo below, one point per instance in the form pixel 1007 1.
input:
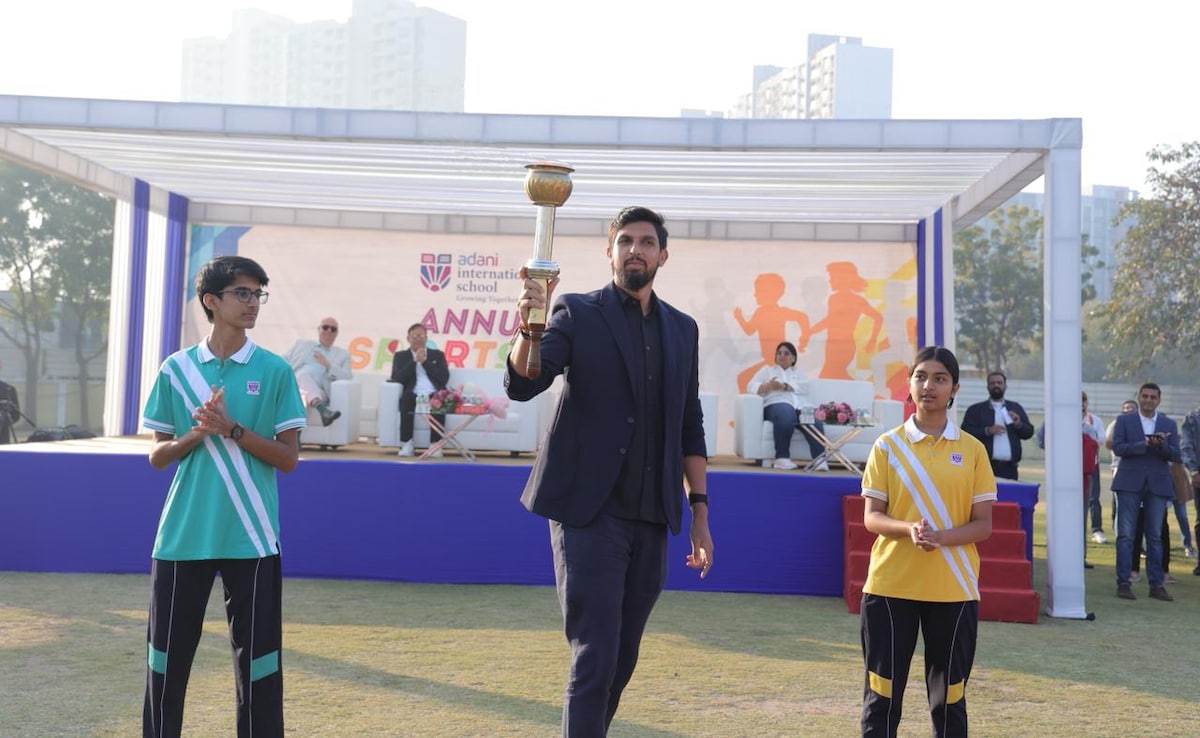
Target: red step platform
pixel 1005 573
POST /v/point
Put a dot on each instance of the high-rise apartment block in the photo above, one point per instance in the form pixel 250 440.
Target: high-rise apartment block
pixel 841 78
pixel 389 55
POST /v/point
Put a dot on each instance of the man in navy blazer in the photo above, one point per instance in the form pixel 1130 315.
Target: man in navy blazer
pixel 1000 425
pixel 1147 442
pixel 611 472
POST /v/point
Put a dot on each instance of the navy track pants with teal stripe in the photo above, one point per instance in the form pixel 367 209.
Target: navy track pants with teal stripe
pixel 253 607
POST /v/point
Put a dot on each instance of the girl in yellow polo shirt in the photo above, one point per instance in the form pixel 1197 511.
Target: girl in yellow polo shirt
pixel 929 491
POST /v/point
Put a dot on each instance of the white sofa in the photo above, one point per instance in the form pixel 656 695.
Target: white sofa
pixel 754 438
pixel 708 406
pixel 345 395
pixel 518 432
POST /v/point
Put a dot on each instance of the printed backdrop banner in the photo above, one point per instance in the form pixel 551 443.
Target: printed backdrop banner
pixel 850 309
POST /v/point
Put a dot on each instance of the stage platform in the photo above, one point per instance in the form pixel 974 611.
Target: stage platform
pixel 361 512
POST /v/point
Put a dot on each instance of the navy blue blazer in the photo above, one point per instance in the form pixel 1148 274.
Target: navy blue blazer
pixel 404 369
pixel 1141 464
pixel 980 416
pixel 588 341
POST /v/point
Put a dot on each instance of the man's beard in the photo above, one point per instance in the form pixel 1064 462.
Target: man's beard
pixel 632 281
pixel 996 393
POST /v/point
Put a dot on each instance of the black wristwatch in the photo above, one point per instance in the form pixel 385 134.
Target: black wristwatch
pixel 236 432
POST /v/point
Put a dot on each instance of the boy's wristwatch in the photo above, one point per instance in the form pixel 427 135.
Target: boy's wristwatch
pixel 236 432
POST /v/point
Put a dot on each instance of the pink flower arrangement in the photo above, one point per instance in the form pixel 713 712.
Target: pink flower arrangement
pixel 469 400
pixel 835 413
pixel 445 400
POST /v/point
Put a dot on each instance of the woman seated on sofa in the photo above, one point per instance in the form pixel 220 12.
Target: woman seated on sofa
pixel 784 390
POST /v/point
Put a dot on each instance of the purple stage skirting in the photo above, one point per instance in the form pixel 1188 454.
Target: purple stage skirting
pixel 413 522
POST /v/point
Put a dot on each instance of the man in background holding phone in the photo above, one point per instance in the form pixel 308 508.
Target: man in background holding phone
pixel 1147 442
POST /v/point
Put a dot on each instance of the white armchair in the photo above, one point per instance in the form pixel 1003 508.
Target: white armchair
pixel 518 432
pixel 345 395
pixel 754 438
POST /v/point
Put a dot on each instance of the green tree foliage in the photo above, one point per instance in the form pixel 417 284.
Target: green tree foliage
pixel 998 291
pixel 997 286
pixel 55 258
pixel 1153 318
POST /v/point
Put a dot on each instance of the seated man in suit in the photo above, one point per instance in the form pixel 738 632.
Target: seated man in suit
pixel 316 365
pixel 422 371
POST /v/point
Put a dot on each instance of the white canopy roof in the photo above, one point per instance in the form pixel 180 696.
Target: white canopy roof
pixel 812 179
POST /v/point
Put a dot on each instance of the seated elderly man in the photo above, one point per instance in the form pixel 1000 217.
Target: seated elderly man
pixel 317 364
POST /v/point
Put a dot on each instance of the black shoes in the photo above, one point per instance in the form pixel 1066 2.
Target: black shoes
pixel 1160 593
pixel 1125 593
pixel 327 415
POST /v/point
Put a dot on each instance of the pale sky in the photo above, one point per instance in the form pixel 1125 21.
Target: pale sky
pixel 1126 68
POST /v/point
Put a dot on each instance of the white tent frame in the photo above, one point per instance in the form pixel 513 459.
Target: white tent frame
pixel 915 181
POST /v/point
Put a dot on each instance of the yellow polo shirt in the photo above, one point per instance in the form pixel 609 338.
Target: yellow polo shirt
pixel 939 480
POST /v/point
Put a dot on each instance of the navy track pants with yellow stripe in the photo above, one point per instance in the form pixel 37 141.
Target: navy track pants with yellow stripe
pixel 253 608
pixel 889 637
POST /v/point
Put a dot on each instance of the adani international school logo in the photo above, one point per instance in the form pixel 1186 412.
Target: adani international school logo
pixel 435 271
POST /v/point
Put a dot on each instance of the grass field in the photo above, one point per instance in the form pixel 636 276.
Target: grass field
pixel 386 659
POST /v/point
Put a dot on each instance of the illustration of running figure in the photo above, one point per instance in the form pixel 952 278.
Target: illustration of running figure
pixel 847 307
pixel 769 320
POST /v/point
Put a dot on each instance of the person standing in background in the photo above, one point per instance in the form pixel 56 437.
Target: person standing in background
pixel 1000 425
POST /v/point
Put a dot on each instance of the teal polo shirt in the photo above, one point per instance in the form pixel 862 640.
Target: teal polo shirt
pixel 223 502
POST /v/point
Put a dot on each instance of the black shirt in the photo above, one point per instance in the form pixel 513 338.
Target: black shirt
pixel 638 493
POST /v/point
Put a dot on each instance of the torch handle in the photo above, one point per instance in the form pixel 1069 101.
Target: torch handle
pixel 533 359
pixel 537 326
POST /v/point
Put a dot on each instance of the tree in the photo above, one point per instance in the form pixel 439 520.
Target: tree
pixel 55 256
pixel 1152 318
pixel 27 309
pixel 998 284
pixel 77 226
pixel 998 292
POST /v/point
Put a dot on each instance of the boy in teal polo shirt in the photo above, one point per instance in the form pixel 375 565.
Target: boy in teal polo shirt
pixel 230 413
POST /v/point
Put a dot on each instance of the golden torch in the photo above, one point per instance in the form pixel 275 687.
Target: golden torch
pixel 548 185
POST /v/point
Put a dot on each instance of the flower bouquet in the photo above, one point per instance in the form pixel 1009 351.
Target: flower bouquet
pixel 836 413
pixel 467 400
pixel 445 401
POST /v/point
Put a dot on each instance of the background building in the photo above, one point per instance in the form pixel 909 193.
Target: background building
pixel 389 55
pixel 1099 208
pixel 840 78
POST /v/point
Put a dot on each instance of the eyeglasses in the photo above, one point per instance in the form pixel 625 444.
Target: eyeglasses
pixel 243 295
pixel 329 328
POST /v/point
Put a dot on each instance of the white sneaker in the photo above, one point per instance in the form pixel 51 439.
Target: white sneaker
pixel 784 464
pixel 1098 537
pixel 406 449
pixel 822 466
pixel 436 454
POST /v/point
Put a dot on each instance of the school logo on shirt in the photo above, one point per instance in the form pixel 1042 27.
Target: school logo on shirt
pixel 252 387
pixel 956 459
pixel 435 271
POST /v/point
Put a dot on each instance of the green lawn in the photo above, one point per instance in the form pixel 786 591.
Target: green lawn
pixel 385 659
